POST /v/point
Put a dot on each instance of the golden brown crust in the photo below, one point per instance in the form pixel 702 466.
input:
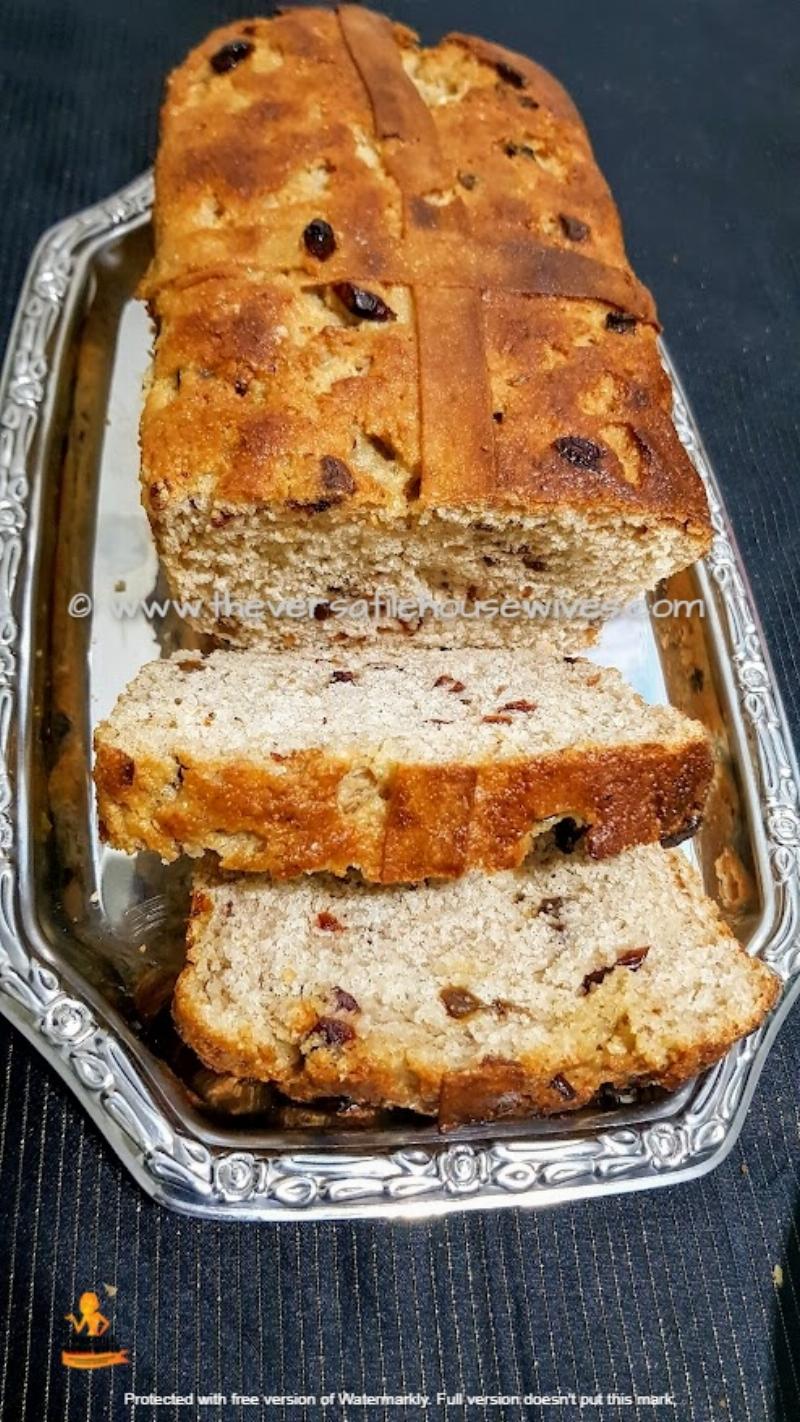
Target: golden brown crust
pixel 454 395
pixel 532 1084
pixel 424 820
pixel 416 160
pixel 485 203
pixel 512 68
pixel 493 1091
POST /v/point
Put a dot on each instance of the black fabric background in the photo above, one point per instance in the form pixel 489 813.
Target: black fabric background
pixel 692 106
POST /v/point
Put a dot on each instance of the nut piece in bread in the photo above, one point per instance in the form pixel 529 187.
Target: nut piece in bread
pixel 399 344
pixel 508 994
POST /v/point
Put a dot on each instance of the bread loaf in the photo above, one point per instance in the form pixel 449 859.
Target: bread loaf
pixel 400 346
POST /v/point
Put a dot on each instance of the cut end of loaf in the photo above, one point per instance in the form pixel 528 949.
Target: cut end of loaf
pixel 460 578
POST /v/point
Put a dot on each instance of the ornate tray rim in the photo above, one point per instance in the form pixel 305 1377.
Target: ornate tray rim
pixel 184 1173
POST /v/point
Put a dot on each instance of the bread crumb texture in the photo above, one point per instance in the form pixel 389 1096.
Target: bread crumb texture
pixel 429 765
pixel 399 342
pixel 524 991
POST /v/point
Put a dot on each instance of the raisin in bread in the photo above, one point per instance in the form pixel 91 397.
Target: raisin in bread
pixel 399 344
pixel 431 764
pixel 524 991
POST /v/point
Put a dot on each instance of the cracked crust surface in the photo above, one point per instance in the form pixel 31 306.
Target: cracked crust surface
pixel 516 374
pixel 621 973
pixel 435 764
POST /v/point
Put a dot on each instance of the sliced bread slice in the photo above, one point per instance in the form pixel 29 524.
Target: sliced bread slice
pixel 519 992
pixel 430 764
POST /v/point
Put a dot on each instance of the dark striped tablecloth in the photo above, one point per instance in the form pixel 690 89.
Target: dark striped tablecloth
pixel 693 1291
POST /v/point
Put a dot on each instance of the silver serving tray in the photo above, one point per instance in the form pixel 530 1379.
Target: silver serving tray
pixel 90 940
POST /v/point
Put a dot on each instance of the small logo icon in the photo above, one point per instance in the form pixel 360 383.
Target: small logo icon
pixel 94 1324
